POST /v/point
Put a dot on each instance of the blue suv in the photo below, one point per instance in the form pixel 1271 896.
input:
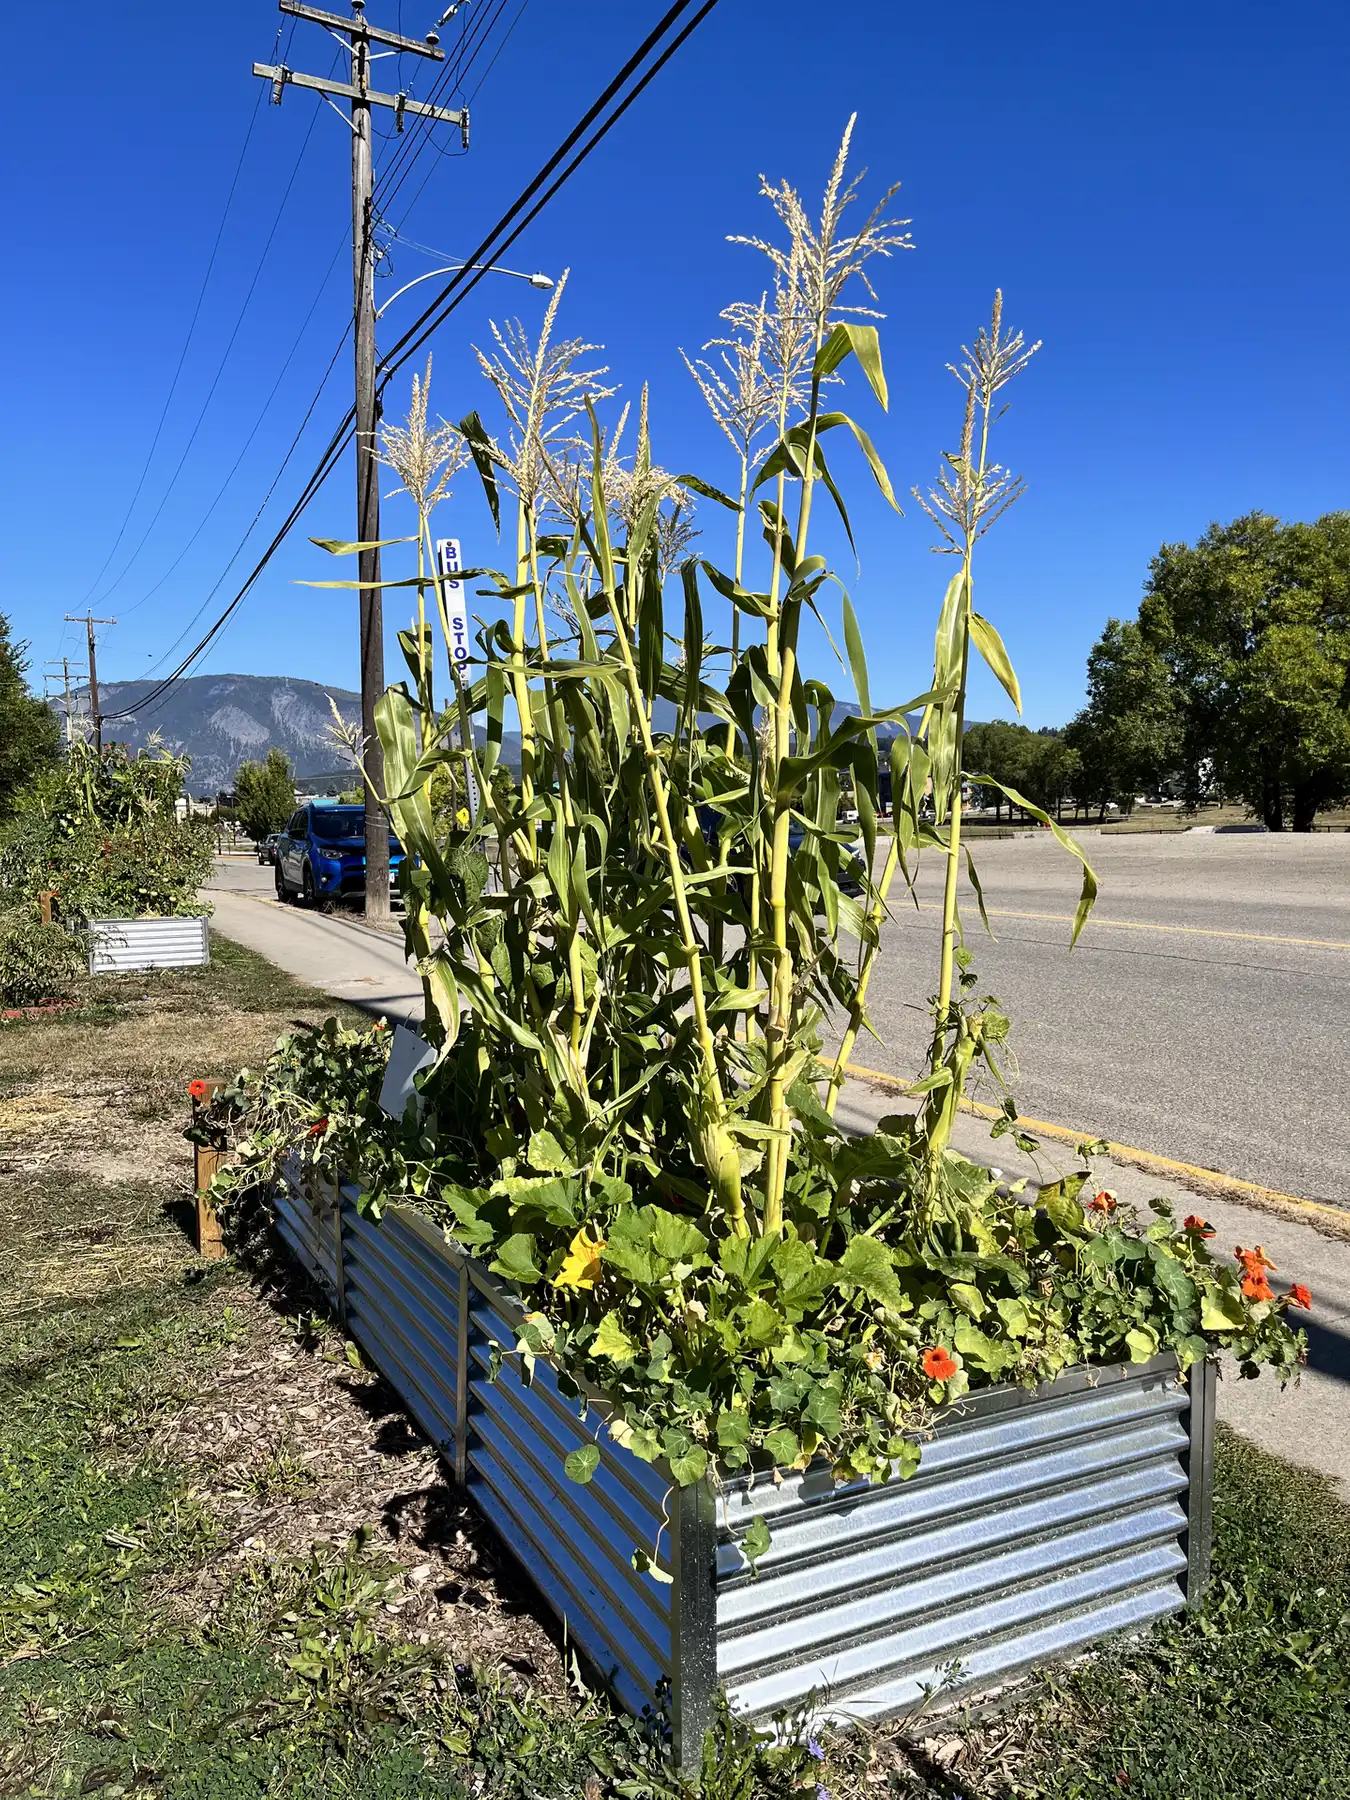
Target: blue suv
pixel 321 855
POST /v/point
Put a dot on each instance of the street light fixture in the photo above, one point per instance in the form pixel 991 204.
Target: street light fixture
pixel 536 280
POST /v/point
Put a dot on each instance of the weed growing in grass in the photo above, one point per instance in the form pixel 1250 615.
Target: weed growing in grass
pixel 283 1475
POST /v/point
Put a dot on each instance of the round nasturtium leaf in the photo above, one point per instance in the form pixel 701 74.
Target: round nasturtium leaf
pixel 581 1464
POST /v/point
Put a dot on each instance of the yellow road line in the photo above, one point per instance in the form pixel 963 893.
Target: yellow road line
pixel 1145 1159
pixel 1249 937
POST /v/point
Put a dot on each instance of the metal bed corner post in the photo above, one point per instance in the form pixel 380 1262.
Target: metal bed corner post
pixel 1202 1381
pixel 693 1620
pixel 463 1345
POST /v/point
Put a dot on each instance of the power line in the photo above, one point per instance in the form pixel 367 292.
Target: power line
pixel 449 80
pixel 336 444
pixel 491 248
pixel 457 289
pixel 262 507
pixel 473 92
pixel 472 95
pixel 256 427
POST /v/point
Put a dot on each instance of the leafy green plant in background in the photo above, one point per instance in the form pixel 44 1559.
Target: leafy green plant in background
pixel 30 735
pixel 101 832
pixel 630 1116
pixel 38 962
pixel 721 1350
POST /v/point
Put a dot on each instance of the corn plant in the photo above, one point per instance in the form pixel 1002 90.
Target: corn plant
pixel 676 919
pixel 647 957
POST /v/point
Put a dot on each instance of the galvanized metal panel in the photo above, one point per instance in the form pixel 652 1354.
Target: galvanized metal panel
pixel 119 945
pixel 1000 1660
pixel 407 1326
pixel 1036 1523
pixel 401 1285
pixel 576 1540
pixel 308 1232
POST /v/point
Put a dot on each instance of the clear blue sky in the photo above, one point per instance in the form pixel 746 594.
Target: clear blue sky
pixel 1160 190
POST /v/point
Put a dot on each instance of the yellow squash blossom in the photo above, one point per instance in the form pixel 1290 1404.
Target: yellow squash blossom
pixel 581 1265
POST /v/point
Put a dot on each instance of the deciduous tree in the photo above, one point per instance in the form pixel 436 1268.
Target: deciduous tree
pixel 265 793
pixel 1253 626
pixel 1128 737
pixel 30 736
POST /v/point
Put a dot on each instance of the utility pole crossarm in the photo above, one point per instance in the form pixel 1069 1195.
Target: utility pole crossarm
pixel 397 102
pixel 359 28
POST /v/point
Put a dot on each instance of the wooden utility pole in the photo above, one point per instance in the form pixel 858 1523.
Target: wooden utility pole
pixel 359 92
pixel 89 622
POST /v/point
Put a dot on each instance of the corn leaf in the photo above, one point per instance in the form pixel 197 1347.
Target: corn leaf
pixel 340 546
pixel 475 435
pixel 1088 894
pixel 990 646
pixel 865 343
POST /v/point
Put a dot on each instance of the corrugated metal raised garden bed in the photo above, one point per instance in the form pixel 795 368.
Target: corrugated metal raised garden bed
pixel 117 946
pixel 1037 1523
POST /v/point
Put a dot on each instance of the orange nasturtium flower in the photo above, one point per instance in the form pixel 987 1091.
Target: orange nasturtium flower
pixel 1256 1287
pixel 1299 1296
pixel 318 1127
pixel 198 1090
pixel 937 1364
pixel 1105 1202
pixel 1193 1222
pixel 1254 1262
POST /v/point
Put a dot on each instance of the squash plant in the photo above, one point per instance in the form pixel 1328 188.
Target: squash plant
pixel 646 959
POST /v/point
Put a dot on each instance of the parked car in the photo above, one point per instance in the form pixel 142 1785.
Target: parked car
pixel 322 854
pixel 267 847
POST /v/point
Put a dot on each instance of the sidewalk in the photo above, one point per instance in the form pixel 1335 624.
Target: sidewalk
pixel 1308 1424
pixel 332 953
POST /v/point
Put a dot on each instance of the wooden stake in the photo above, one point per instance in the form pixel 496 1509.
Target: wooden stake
pixel 210 1244
pixel 45 905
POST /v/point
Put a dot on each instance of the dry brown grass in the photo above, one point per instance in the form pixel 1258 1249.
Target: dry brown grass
pixel 95 1174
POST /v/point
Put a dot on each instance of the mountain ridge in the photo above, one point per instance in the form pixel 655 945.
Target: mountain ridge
pixel 219 721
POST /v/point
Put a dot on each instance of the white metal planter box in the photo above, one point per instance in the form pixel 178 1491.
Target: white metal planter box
pixel 1037 1523
pixel 118 945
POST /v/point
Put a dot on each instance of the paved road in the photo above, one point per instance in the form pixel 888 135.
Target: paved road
pixel 1309 1424
pixel 1203 1015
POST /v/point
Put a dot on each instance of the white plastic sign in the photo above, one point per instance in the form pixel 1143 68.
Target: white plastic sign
pixel 456 611
pixel 408 1054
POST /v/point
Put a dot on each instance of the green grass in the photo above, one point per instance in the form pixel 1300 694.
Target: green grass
pixel 141 1650
pixel 295 1683
pixel 235 977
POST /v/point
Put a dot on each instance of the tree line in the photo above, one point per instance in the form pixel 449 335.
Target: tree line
pixel 1231 684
